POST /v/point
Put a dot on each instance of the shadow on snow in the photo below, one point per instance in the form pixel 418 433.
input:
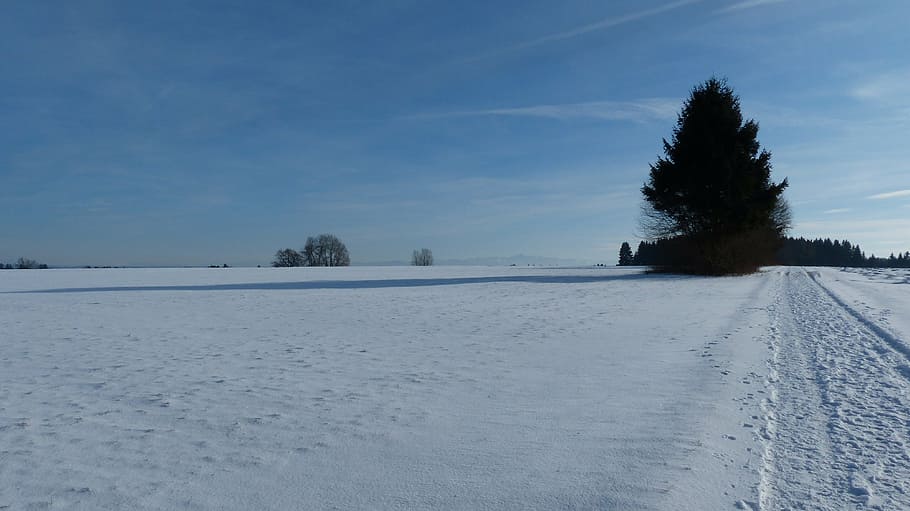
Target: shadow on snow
pixel 370 284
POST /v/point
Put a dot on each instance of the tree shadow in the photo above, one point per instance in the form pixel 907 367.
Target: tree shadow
pixel 370 284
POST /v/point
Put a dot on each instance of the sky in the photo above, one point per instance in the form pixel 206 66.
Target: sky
pixel 210 132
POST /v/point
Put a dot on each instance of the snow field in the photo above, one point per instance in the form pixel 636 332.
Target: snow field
pixel 451 388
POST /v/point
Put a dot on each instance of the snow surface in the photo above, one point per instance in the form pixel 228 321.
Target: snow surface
pixel 453 388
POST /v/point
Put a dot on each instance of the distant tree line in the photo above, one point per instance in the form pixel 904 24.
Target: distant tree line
pixel 793 252
pixel 820 252
pixel 825 252
pixel 322 250
pixel 648 253
pixel 24 264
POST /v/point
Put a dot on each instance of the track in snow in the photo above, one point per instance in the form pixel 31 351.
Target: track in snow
pixel 839 416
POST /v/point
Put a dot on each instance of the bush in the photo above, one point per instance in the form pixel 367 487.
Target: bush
pixel 735 253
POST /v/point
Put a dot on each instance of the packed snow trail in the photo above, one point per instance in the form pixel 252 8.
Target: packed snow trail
pixel 838 429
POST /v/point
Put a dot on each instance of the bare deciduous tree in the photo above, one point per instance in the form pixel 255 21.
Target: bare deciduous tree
pixel 287 258
pixel 325 250
pixel 423 257
pixel 26 264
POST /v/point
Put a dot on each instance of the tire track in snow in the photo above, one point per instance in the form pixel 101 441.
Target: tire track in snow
pixel 890 339
pixel 839 417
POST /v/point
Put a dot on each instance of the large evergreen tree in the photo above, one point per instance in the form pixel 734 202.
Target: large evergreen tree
pixel 712 191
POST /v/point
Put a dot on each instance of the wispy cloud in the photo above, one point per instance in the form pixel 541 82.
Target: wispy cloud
pixel 749 4
pixel 636 111
pixel 836 211
pixel 890 195
pixel 768 114
pixel 888 87
pixel 603 24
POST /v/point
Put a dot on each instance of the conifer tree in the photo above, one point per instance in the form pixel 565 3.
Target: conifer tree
pixel 712 192
pixel 625 254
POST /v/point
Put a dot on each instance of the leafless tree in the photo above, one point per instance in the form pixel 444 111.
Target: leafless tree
pixel 287 258
pixel 654 224
pixel 26 264
pixel 325 250
pixel 423 257
pixel 781 216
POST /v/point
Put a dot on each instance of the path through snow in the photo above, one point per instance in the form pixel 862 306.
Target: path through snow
pixel 839 418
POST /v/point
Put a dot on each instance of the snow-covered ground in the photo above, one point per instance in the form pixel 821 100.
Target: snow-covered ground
pixel 453 388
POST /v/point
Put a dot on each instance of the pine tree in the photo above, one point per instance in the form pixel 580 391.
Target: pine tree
pixel 712 191
pixel 625 255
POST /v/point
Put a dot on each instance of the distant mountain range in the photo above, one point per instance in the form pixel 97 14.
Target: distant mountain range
pixel 517 260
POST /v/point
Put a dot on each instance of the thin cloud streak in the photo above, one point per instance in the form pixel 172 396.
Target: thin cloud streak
pixel 890 195
pixel 636 111
pixel 603 24
pixel 887 87
pixel 749 4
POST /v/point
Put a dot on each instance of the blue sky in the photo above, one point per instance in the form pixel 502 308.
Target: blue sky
pixel 215 131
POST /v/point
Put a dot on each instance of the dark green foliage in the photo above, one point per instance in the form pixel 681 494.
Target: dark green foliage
pixel 824 252
pixel 712 192
pixel 646 254
pixel 792 252
pixel 728 254
pixel 701 254
pixel 625 254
